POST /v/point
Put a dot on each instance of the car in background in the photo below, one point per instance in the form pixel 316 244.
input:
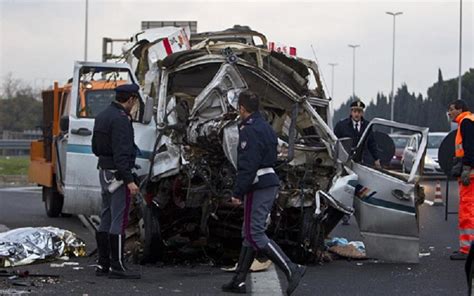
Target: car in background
pixel 431 163
pixel 400 142
pixel 431 159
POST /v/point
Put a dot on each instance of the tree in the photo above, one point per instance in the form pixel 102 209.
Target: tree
pixel 19 110
pixel 413 109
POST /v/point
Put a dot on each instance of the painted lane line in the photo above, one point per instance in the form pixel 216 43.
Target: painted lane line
pixel 265 282
pixel 21 189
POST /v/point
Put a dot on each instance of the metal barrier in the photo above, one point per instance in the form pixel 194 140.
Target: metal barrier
pixel 16 146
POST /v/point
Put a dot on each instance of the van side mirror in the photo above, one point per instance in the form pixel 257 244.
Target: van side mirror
pixel 343 149
pixel 148 110
pixel 64 123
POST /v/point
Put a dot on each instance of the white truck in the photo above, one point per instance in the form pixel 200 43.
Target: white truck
pixel 186 128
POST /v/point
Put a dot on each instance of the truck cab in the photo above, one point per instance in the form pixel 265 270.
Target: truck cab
pixel 68 118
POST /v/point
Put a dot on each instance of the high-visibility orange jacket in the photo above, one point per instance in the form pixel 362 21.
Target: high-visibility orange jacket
pixel 465 150
pixel 465 128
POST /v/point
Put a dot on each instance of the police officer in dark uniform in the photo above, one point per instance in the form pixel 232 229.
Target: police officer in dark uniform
pixel 114 145
pixel 257 184
pixel 354 126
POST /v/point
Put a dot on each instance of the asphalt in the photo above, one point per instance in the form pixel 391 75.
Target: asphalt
pixel 434 275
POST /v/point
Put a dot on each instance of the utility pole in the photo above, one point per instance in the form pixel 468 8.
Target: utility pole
pixel 392 97
pixel 332 78
pixel 86 29
pixel 353 46
pixel 460 50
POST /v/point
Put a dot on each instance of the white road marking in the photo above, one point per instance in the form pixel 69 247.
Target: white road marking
pixel 265 282
pixel 21 189
pixel 428 202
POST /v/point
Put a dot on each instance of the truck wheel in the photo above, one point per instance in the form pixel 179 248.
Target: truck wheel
pixel 53 202
pixel 153 247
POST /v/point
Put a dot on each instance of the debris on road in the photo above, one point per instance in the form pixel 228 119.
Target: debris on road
pixel 344 248
pixel 23 274
pixel 256 266
pixel 26 245
pixel 13 292
pixel 64 264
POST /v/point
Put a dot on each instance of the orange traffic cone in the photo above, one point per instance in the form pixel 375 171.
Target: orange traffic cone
pixel 438 200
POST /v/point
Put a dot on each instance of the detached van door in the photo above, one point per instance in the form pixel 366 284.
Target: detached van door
pixel 92 91
pixel 386 202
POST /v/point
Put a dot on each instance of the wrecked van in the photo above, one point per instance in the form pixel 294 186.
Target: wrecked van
pixel 186 129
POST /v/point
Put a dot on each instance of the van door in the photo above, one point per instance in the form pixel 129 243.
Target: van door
pixel 92 91
pixel 386 202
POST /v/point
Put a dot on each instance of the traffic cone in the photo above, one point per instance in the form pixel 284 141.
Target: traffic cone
pixel 438 200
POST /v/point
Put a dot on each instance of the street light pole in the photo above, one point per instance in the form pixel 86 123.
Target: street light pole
pixel 86 29
pixel 332 78
pixel 392 97
pixel 460 49
pixel 353 46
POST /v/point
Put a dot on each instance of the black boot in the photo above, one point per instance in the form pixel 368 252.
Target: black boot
pixel 294 272
pixel 117 267
pixel 103 249
pixel 237 284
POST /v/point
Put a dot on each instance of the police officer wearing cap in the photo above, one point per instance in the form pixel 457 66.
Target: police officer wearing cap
pixel 354 126
pixel 257 184
pixel 114 145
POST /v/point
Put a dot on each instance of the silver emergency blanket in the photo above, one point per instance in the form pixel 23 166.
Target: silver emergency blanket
pixel 25 245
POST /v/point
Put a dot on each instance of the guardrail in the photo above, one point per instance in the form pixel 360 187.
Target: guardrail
pixel 15 144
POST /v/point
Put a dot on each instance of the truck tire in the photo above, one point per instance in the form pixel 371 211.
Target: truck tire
pixel 53 202
pixel 153 247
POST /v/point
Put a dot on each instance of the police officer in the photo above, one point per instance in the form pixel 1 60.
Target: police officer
pixel 354 126
pixel 257 184
pixel 114 145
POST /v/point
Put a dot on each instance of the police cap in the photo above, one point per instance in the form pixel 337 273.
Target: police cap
pixel 125 91
pixel 357 105
pixel 127 88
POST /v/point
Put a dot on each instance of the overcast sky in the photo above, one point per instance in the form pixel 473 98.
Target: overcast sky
pixel 40 40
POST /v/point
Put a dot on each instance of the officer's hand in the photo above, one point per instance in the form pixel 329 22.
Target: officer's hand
pixel 133 188
pixel 377 164
pixel 236 201
pixel 466 175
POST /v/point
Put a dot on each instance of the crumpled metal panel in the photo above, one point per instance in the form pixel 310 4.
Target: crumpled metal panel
pixel 167 162
pixel 230 141
pixel 25 245
pixel 215 94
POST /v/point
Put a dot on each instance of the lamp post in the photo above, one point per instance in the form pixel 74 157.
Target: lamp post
pixel 332 78
pixel 460 49
pixel 353 46
pixel 86 29
pixel 392 98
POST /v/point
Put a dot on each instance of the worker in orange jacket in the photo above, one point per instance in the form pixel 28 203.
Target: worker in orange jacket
pixel 464 169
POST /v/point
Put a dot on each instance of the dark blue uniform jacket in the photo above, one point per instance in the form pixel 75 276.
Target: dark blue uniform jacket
pixel 345 129
pixel 257 149
pixel 113 141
